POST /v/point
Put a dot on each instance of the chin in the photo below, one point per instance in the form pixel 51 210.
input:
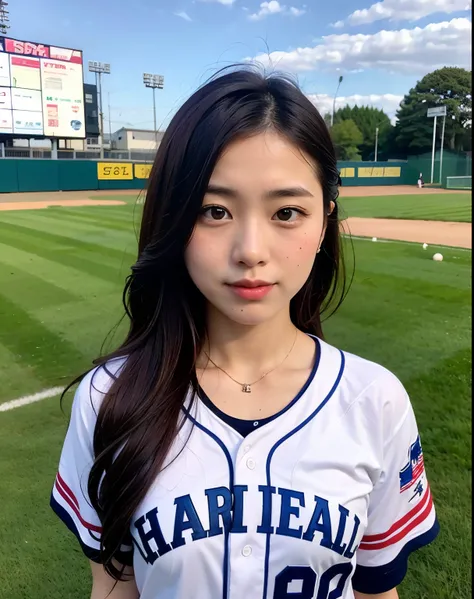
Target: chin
pixel 251 314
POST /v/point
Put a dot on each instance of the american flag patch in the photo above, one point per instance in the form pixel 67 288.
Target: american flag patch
pixel 410 473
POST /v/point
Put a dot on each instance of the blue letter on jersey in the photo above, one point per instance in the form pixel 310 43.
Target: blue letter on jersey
pixel 154 533
pixel 288 510
pixel 185 507
pixel 321 512
pixel 267 493
pixel 238 520
pixel 217 511
pixel 336 546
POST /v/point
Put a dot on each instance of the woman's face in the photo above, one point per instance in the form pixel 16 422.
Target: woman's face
pixel 261 224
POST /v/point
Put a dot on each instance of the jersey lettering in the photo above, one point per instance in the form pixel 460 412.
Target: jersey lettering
pixel 225 513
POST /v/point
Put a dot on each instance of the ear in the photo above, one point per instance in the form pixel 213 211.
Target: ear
pixel 332 205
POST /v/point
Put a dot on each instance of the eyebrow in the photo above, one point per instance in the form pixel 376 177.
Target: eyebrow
pixel 284 192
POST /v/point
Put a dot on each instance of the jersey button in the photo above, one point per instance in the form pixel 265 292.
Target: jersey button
pixel 251 464
pixel 247 551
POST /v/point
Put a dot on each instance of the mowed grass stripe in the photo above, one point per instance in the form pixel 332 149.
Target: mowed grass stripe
pixel 78 232
pixel 86 324
pixel 123 225
pixel 57 275
pixel 445 207
pixel 30 291
pixel 35 346
pixel 91 258
pixel 17 379
pixel 115 218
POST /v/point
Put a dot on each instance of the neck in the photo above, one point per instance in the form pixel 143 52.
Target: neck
pixel 246 347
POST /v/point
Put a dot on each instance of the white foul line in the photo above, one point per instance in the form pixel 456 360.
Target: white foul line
pixel 24 401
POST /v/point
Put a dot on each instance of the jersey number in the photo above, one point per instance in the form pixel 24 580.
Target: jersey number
pixel 299 582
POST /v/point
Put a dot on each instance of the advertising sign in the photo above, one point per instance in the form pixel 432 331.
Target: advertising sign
pixel 42 87
pixel 114 171
pixel 142 171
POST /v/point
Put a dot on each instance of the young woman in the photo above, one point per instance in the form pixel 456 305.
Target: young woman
pixel 225 450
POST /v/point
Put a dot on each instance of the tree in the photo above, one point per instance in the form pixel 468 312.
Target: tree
pixel 327 119
pixel 449 86
pixel 368 119
pixel 347 137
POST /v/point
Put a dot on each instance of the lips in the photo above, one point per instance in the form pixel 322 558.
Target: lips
pixel 251 290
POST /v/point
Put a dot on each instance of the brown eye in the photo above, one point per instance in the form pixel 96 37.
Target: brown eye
pixel 214 213
pixel 286 215
pixel 217 213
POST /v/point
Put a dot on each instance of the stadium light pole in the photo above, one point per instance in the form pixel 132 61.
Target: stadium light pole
pixel 4 19
pixel 100 68
pixel 335 98
pixel 376 143
pixel 155 82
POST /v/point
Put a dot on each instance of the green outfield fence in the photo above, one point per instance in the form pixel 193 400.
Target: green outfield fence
pixel 455 164
pixel 23 174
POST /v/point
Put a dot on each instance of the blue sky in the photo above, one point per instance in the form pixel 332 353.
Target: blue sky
pixel 381 48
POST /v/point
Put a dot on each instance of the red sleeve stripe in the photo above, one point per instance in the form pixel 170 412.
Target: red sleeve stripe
pixel 67 490
pixel 400 523
pixel 403 533
pixel 75 509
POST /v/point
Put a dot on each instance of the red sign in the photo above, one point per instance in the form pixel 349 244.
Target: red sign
pixel 65 54
pixel 55 65
pixel 26 62
pixel 28 48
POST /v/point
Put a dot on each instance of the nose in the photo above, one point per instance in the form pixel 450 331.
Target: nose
pixel 250 244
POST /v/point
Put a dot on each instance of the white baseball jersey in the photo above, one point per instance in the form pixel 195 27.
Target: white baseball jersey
pixel 327 497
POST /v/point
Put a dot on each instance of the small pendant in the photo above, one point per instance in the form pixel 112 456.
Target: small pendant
pixel 246 389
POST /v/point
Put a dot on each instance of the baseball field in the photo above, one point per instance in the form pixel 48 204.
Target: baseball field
pixel 62 271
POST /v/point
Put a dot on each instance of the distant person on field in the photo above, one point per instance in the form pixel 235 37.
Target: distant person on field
pixel 421 182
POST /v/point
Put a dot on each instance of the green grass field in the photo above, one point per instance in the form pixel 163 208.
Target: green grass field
pixel 454 207
pixel 61 276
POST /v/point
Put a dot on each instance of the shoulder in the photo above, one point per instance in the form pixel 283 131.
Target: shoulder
pixel 371 388
pixel 92 390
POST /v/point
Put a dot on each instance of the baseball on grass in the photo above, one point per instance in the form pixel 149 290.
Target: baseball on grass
pixel 425 245
pixel 438 257
pixel 374 238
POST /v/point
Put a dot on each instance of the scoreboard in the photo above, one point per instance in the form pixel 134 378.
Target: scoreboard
pixel 41 90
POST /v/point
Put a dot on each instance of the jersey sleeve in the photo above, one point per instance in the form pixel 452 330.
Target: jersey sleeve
pixel 401 514
pixel 69 498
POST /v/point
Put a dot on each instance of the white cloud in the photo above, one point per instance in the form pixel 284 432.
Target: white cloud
pixel 389 103
pixel 274 7
pixel 183 15
pixel 338 24
pixel 296 12
pixel 406 10
pixel 411 51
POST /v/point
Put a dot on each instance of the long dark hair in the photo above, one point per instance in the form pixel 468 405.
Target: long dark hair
pixel 140 413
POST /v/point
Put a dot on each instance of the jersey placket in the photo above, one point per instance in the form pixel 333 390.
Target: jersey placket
pixel 247 549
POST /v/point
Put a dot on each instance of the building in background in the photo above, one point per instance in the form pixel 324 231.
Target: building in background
pixel 135 139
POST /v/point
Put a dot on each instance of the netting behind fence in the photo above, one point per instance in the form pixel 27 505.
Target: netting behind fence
pixel 458 182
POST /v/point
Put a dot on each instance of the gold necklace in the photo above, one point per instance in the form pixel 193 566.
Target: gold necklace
pixel 247 387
